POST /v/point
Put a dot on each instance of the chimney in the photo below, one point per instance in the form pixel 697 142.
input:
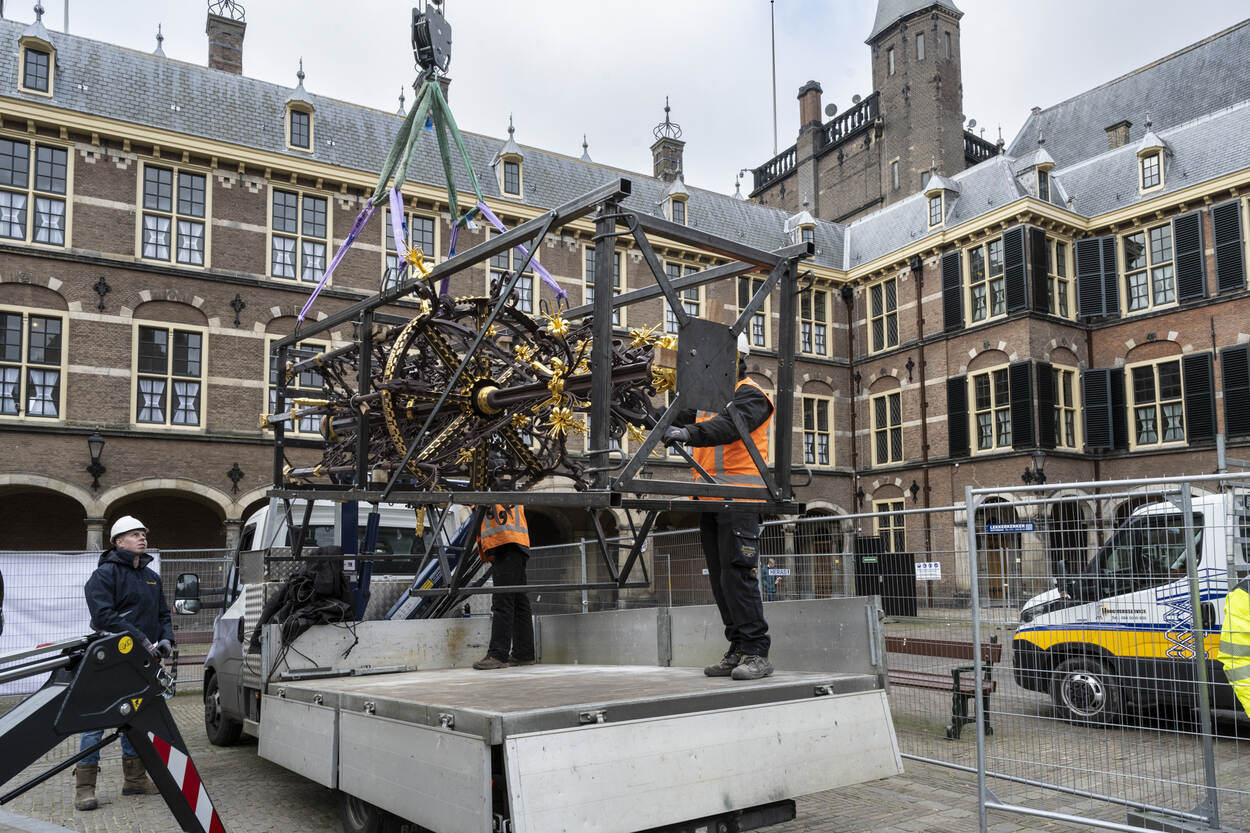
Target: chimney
pixel 1117 134
pixel 226 25
pixel 666 152
pixel 809 105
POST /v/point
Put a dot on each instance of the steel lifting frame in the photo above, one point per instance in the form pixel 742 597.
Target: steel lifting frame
pixel 100 682
pixel 649 496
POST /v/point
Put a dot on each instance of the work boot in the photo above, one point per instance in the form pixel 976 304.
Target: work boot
pixel 753 667
pixel 726 666
pixel 135 778
pixel 514 661
pixel 489 663
pixel 84 786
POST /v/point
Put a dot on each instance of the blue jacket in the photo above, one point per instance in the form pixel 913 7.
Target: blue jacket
pixel 122 597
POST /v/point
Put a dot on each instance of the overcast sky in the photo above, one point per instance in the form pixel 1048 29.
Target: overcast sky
pixel 564 68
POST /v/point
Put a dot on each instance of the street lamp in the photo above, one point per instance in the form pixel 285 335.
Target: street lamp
pixel 95 446
pixel 1035 474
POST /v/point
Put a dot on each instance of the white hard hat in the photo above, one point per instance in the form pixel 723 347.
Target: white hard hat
pixel 124 524
pixel 744 344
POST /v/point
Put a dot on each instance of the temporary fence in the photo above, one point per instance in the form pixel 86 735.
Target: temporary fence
pixel 1113 711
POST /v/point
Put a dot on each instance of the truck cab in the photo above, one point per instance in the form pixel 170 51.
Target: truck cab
pixel 1121 635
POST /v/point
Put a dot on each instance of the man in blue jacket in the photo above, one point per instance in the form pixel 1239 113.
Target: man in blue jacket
pixel 124 596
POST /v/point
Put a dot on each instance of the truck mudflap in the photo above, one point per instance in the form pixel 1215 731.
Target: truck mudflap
pixel 100 682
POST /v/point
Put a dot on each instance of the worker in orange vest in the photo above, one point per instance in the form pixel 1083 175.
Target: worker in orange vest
pixel 731 538
pixel 504 541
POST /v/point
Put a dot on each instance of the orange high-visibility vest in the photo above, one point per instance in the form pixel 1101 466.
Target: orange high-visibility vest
pixel 503 525
pixel 732 464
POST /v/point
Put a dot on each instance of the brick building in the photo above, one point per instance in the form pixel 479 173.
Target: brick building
pixel 1080 290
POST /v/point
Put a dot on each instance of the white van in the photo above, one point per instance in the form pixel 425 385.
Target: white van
pixel 1120 635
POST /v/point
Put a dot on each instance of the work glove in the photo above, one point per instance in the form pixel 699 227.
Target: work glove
pixel 676 435
pixel 164 648
pixel 148 646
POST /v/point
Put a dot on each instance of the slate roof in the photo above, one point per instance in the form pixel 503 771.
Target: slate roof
pixel 1201 78
pixel 111 81
pixel 890 12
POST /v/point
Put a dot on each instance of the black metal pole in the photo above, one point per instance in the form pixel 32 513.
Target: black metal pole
pixel 364 377
pixel 601 350
pixel 785 379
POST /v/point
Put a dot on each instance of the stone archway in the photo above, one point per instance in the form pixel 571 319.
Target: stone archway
pixel 45 515
pixel 180 515
pixel 998 553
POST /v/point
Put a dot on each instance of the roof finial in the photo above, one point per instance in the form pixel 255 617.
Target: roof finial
pixel 38 12
pixel 1148 121
pixel 669 129
pixel 300 73
pixel 585 150
pixel 1041 137
pixel 160 40
pixel 511 129
pixel 401 111
pixel 738 186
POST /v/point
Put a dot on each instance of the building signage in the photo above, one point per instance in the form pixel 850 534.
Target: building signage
pixel 1026 526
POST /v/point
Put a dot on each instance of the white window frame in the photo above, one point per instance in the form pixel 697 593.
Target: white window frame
pixel 306 110
pixel 391 259
pixel 998 411
pixel 937 210
pixel 880 289
pixel 179 221
pixel 619 314
pixel 887 425
pixel 308 426
pixel 23 366
pixel 168 377
pixel 31 197
pixel 993 283
pixel 1157 157
pixel 691 297
pixel 814 432
pixel 1157 270
pixel 504 162
pixel 888 518
pixel 300 237
pixel 1174 404
pixel 27 44
pixel 814 330
pixel 759 331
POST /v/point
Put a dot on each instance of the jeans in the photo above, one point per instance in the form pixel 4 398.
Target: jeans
pixel 92 738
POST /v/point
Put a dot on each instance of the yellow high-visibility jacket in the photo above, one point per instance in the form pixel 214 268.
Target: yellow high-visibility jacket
pixel 1235 642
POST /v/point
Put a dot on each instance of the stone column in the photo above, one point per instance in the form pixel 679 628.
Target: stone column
pixel 233 529
pixel 95 534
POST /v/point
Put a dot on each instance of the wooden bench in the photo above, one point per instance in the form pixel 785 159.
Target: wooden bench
pixel 960 681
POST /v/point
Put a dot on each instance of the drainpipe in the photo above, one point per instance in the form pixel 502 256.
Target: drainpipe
pixel 917 269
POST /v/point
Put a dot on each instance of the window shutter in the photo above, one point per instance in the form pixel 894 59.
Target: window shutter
pixel 1020 386
pixel 1039 269
pixel 958 444
pixel 1097 279
pixel 1103 409
pixel 1230 264
pixel 1235 362
pixel 1198 377
pixel 1045 405
pixel 1191 272
pixel 1014 274
pixel 952 291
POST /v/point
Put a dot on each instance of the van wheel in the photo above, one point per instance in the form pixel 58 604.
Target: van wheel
pixel 359 816
pixel 221 729
pixel 1085 692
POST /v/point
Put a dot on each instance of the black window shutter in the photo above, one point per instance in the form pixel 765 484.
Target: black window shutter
pixel 1039 268
pixel 1020 385
pixel 1235 362
pixel 1119 408
pixel 1096 408
pixel 957 416
pixel 1230 264
pixel 1014 275
pixel 1110 278
pixel 1191 272
pixel 952 291
pixel 1090 302
pixel 1198 377
pixel 1045 405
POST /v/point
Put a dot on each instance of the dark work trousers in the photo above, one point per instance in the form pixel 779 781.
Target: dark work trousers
pixel 731 546
pixel 511 622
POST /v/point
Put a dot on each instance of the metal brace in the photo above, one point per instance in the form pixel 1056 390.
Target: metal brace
pixel 371 707
pixel 447 720
pixel 501 825
pixel 597 716
pixel 318 699
pixel 822 691
pixel 282 693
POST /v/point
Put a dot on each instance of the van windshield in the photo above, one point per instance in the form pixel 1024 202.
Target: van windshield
pixel 1147 551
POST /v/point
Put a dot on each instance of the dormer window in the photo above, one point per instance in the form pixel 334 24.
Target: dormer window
pixel 1151 170
pixel 677 210
pixel 807 234
pixel 36 64
pixel 299 134
pixel 1043 185
pixel 512 177
pixel 935 210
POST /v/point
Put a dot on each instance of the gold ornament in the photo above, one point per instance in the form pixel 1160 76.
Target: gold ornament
pixel 668 342
pixel 557 326
pixel 424 307
pixel 636 433
pixel 416 259
pixel 663 379
pixel 561 421
pixel 643 335
pixel 465 456
pixel 523 352
pixel 520 421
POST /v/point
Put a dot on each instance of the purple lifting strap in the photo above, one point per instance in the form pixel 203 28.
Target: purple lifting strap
pixel 361 220
pixel 538 267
